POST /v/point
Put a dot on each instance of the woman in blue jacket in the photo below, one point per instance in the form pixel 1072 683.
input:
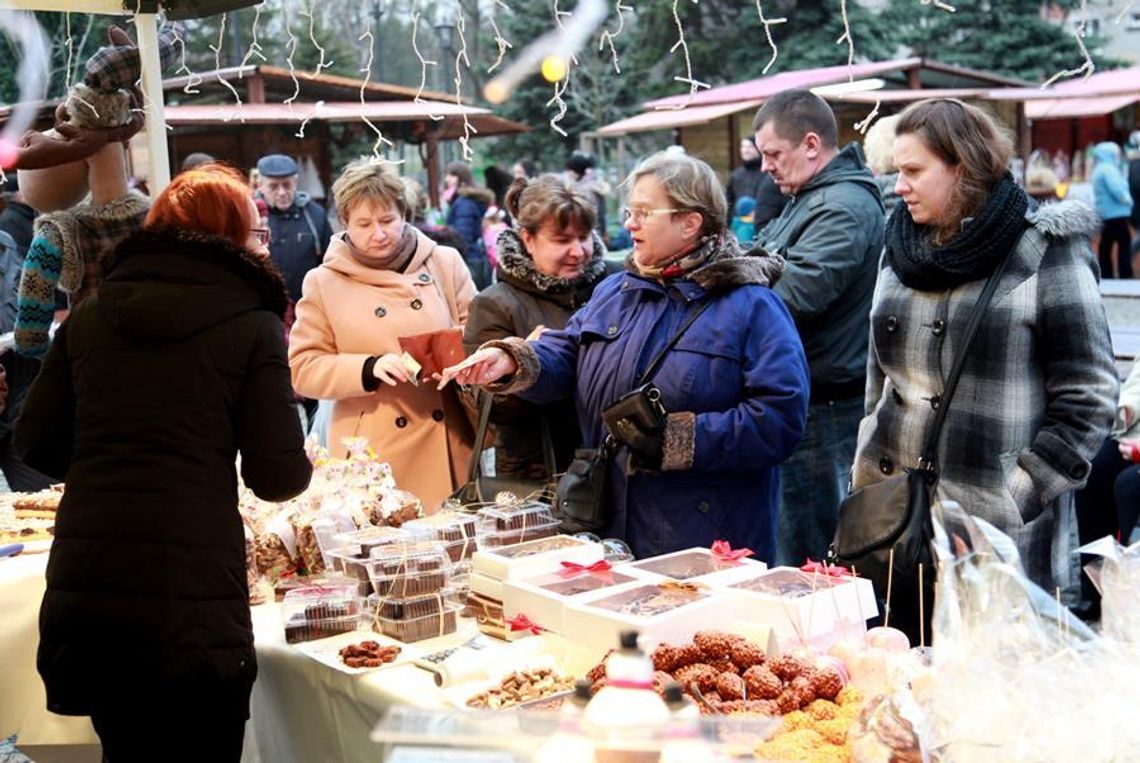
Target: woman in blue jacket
pixel 735 385
pixel 1114 205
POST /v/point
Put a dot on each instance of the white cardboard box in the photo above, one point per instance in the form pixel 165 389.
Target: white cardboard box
pixel 534 557
pixel 699 565
pixel 804 607
pixel 659 612
pixel 543 598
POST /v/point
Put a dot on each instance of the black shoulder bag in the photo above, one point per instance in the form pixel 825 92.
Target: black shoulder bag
pixel 580 499
pixel 480 490
pixel 895 513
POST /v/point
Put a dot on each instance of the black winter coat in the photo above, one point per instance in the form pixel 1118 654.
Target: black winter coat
pixel 147 395
pixel 522 299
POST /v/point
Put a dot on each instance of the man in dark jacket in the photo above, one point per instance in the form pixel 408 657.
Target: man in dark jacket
pixel 831 233
pixel 749 179
pixel 299 229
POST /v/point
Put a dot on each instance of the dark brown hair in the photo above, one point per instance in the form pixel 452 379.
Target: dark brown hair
pixel 968 139
pixel 795 113
pixel 550 198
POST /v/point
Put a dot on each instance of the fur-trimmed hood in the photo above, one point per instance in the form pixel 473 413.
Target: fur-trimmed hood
pixel 1061 219
pixel 516 267
pixel 730 266
pixel 167 283
pixel 484 196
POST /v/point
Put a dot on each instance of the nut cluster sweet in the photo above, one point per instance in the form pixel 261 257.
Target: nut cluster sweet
pixel 368 654
pixel 521 686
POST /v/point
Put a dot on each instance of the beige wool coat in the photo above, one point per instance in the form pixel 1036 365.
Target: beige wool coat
pixel 349 312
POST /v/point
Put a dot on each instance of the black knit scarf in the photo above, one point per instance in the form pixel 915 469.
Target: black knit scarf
pixel 971 255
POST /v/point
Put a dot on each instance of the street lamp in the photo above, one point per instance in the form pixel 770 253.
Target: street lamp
pixel 445 30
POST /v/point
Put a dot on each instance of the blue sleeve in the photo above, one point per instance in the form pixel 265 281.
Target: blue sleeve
pixel 557 352
pixel 765 427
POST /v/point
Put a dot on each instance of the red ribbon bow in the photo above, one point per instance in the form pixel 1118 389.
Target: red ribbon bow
pixel 524 623
pixel 832 570
pixel 573 568
pixel 724 551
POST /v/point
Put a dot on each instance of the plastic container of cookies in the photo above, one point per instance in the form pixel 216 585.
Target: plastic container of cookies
pixel 404 570
pixel 320 611
pixel 409 629
pixel 457 531
pixel 509 524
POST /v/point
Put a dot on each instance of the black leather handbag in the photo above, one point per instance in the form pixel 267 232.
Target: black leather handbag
pixel 480 490
pixel 581 496
pixel 889 522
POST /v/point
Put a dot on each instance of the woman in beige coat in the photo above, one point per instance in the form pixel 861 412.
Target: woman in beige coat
pixel 383 279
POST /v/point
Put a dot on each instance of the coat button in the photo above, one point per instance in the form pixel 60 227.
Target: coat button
pixel 938 328
pixel 611 330
pixel 703 507
pixel 898 398
pixel 401 422
pixel 425 278
pixel 437 415
pixel 886 465
pixel 892 324
pixel 380 312
pixel 417 303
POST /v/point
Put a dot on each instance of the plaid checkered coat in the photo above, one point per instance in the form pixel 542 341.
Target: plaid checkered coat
pixel 1037 393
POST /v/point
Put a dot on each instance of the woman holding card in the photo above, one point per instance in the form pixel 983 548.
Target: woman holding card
pixel 383 280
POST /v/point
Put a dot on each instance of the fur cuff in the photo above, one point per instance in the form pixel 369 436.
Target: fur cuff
pixel 525 358
pixel 91 108
pixel 680 441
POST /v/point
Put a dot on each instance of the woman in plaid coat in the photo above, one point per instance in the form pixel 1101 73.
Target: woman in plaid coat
pixel 1038 390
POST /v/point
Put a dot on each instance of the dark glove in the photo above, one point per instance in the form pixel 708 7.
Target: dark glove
pixel 646 447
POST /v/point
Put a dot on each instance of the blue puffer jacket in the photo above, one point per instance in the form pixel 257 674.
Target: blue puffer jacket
pixel 736 386
pixel 1113 199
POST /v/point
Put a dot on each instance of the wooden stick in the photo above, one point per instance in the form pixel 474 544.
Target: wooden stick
pixel 890 579
pixel 921 612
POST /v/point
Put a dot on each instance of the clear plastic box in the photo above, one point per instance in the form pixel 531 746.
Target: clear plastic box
pixel 369 538
pixel 509 524
pixel 403 570
pixel 457 531
pixel 698 565
pixel 412 629
pixel 320 611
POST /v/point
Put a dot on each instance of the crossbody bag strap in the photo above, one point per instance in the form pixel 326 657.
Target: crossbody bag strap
pixel 928 461
pixel 486 399
pixel 651 369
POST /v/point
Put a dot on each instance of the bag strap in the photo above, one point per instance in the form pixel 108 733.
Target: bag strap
pixel 486 401
pixel 927 462
pixel 651 369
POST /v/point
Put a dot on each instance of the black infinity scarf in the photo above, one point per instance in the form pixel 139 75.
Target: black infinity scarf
pixel 971 255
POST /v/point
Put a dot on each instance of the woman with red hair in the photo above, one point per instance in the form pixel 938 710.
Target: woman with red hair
pixel 148 394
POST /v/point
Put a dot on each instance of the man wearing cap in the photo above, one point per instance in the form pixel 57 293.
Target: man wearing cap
pixel 299 229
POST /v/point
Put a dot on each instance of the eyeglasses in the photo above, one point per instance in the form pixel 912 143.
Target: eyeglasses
pixel 261 234
pixel 639 215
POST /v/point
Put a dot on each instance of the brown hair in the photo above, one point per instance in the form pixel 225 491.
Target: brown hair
pixel 462 171
pixel 690 184
pixel 549 198
pixel 795 113
pixel 369 179
pixel 212 197
pixel 968 139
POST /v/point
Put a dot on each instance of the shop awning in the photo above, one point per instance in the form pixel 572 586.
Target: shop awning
pixel 1071 108
pixel 667 119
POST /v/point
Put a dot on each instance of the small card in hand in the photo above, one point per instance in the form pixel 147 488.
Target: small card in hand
pixel 435 350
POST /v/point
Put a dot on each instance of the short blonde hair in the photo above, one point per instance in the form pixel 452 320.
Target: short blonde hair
pixel 879 145
pixel 369 179
pixel 690 184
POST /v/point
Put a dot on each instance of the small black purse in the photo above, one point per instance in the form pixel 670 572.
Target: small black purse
pixel 581 496
pixel 889 523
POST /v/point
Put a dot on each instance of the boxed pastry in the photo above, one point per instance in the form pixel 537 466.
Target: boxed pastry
pixel 669 611
pixel 506 524
pixel 488 587
pixel 412 629
pixel 402 570
pixel 320 611
pixel 542 598
pixel 456 530
pixel 800 606
pixel 534 557
pixel 700 565
pixel 368 538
